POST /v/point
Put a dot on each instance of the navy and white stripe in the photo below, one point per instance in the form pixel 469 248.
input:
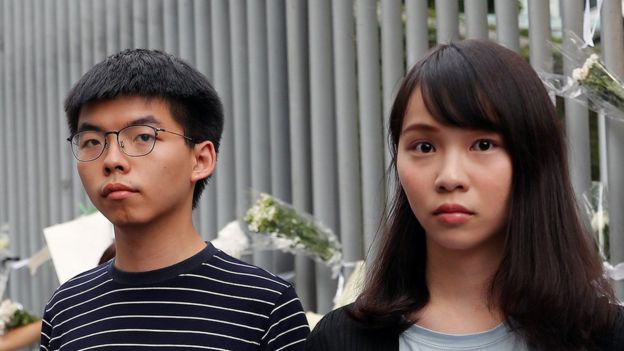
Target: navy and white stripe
pixel 209 302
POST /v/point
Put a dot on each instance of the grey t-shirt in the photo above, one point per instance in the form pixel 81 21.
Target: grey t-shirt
pixel 417 338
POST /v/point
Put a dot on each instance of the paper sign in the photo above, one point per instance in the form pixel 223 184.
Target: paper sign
pixel 76 246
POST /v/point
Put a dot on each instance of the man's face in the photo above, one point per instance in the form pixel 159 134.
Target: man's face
pixel 142 190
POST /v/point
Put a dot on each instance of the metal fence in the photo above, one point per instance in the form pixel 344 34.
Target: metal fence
pixel 306 85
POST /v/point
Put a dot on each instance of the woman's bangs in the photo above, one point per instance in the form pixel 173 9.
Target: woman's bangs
pixel 452 94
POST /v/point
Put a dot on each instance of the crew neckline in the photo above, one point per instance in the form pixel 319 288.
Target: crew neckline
pixel 458 341
pixel 161 274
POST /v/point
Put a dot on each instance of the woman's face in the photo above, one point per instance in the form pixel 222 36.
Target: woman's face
pixel 457 180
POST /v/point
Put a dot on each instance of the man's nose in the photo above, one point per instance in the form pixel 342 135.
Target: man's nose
pixel 114 159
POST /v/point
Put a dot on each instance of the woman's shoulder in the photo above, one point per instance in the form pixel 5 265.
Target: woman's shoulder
pixel 614 338
pixel 338 331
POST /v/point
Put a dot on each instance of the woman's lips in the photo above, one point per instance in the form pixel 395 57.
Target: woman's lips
pixel 452 214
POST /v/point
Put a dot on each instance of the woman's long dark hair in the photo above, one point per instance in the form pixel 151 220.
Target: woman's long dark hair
pixel 550 284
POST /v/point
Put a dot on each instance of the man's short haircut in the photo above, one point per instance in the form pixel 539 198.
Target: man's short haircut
pixel 192 100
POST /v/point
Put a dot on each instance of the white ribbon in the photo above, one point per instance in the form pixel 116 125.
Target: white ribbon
pixel 341 278
pixel 614 272
pixel 589 28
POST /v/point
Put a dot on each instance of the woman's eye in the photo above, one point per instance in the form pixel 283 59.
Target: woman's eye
pixel 424 147
pixel 483 145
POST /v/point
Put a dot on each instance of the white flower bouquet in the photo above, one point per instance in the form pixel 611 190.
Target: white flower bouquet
pixel 599 85
pixel 13 315
pixel 591 82
pixel 293 231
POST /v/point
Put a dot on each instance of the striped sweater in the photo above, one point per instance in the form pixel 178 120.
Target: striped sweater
pixel 210 301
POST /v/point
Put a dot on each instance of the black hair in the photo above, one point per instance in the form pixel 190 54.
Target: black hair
pixel 191 99
pixel 549 284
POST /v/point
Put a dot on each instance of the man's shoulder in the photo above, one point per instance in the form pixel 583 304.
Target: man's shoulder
pixel 230 268
pixel 82 282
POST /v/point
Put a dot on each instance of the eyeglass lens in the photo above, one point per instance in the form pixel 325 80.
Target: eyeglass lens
pixel 133 141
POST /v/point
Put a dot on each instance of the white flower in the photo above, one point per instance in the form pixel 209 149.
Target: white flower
pixel 577 74
pixel 599 220
pixel 4 241
pixel 7 310
pixel 232 240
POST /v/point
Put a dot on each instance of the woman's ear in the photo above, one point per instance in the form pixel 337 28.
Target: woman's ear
pixel 205 160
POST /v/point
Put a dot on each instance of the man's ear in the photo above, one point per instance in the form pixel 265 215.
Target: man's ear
pixel 205 160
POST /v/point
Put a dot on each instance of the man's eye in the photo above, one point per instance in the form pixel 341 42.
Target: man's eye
pixel 144 138
pixel 424 147
pixel 483 145
pixel 89 143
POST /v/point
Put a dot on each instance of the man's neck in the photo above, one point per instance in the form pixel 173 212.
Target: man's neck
pixel 150 247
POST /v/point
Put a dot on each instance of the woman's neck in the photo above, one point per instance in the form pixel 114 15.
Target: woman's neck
pixel 459 287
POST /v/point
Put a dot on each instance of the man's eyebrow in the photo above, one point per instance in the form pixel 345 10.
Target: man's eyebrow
pixel 149 119
pixel 88 126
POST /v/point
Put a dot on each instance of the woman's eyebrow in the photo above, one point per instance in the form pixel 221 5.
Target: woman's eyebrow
pixel 420 127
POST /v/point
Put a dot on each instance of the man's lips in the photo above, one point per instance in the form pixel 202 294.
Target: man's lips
pixel 117 189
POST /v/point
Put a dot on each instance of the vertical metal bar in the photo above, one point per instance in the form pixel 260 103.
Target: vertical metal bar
pixel 155 24
pixel 75 26
pixel 278 99
pixel 539 35
pixel 447 14
pixel 577 117
pixel 99 30
pixel 391 58
pixel 240 106
pixel 9 126
pixel 323 138
pixel 612 39
pixel 139 23
pixel 170 27
pixel 507 24
pixel 223 83
pixel 57 115
pixel 22 227
pixel 278 112
pixel 372 134
pixel 47 274
pixel 417 30
pixel 86 35
pixel 299 110
pixel 52 103
pixel 125 24
pixel 112 26
pixel 206 216
pixel 29 240
pixel 349 175
pixel 259 109
pixel 203 41
pixel 476 18
pixel 4 147
pixel 185 29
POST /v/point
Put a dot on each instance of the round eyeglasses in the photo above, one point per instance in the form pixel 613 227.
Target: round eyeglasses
pixel 134 141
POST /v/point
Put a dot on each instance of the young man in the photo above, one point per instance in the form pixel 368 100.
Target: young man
pixel 145 129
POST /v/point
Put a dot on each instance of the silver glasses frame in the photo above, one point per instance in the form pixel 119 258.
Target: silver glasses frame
pixel 121 146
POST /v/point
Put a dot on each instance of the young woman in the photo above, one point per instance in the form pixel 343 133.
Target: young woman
pixel 483 248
